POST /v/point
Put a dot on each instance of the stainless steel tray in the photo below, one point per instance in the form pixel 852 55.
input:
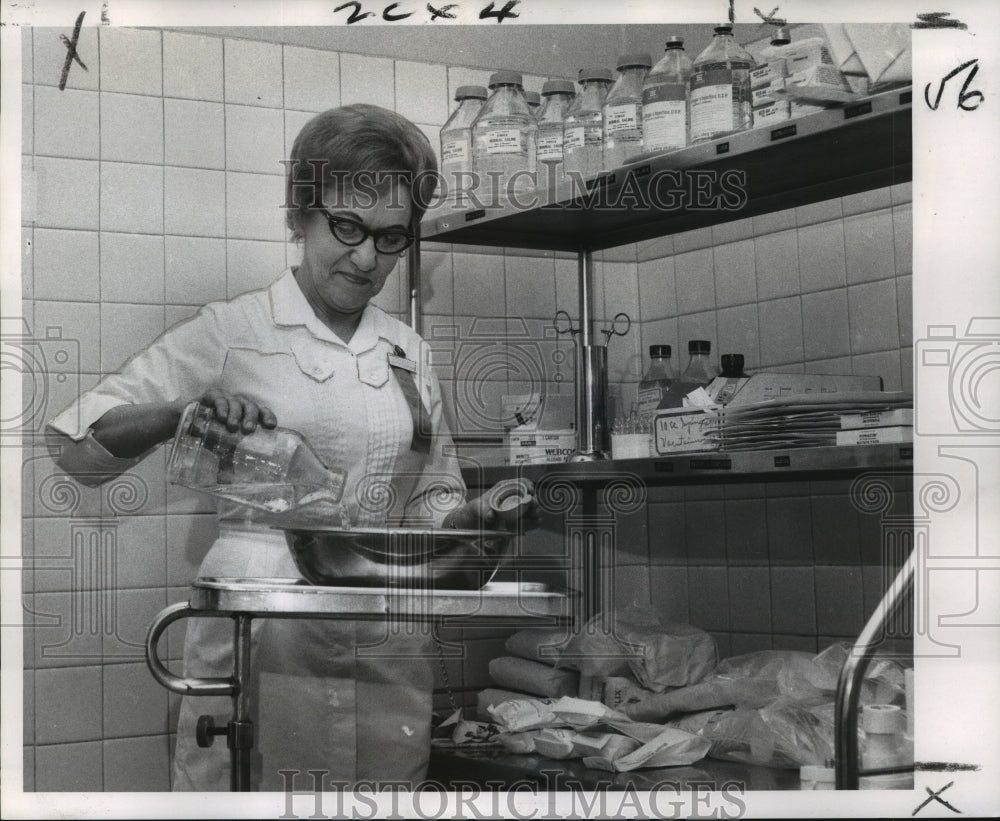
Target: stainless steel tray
pixel 275 598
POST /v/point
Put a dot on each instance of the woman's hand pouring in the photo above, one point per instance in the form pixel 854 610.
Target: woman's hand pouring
pixel 238 411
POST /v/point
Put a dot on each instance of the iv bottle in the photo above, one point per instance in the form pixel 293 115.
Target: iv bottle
pixel 558 97
pixel 657 381
pixel 664 100
pixel 583 125
pixel 698 374
pixel 732 378
pixel 534 101
pixel 270 469
pixel 700 370
pixel 456 144
pixel 503 139
pixel 623 111
pixel 719 102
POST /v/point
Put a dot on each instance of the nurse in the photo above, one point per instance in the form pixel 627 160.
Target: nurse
pixel 312 353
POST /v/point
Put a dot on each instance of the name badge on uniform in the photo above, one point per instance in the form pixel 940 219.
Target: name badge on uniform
pixel 402 362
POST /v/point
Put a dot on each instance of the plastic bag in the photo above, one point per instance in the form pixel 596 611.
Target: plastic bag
pixel 745 682
pixel 782 734
pixel 658 654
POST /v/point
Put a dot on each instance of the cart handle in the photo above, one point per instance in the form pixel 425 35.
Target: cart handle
pixel 178 684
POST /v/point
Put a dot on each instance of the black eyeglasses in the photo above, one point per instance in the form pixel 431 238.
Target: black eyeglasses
pixel 350 232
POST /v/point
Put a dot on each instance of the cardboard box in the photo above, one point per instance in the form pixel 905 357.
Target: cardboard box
pixel 538 411
pixel 771 114
pixel 761 387
pixel 682 430
pixel 534 447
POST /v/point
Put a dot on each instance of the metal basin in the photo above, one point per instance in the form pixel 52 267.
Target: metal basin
pixel 402 558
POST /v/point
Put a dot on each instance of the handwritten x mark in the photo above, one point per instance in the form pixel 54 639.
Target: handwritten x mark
pixel 71 53
pixel 936 796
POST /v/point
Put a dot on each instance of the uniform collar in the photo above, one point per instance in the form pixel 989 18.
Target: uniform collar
pixel 289 308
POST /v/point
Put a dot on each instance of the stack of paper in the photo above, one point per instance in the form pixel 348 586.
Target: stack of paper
pixel 804 420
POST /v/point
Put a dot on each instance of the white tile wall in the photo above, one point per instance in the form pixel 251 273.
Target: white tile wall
pixel 874 319
pixel 127 329
pixel 132 268
pixel 194 133
pixel 251 264
pixel 422 92
pixel 253 73
pixel 66 265
pixel 195 270
pixel 777 264
pixel 869 239
pixel 50 56
pixel 66 193
pixel 695 281
pixel 365 79
pixel 255 139
pixel 311 78
pixel 132 198
pixel 253 206
pixel 735 273
pixel 192 66
pixel 131 61
pixel 67 123
pixel 822 256
pixel 194 202
pixel 131 128
pixel 77 321
pixel 824 314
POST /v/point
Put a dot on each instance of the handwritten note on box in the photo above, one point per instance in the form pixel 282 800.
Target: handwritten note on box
pixel 679 430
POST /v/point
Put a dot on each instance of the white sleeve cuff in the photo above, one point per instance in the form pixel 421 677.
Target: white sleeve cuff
pixel 88 461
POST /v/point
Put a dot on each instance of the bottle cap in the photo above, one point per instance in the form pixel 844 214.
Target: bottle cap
pixel 629 60
pixel 533 97
pixel 675 42
pixel 732 363
pixel 660 350
pixel 595 73
pixel 724 28
pixel 506 78
pixel 558 87
pixel 471 92
pixel 699 346
pixel 781 37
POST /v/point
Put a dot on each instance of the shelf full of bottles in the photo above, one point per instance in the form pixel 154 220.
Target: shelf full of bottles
pixel 831 153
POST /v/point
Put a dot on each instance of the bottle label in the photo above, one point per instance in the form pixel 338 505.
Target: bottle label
pixel 455 151
pixel 649 396
pixel 504 141
pixel 573 136
pixel 550 147
pixel 717 89
pixel 660 92
pixel 623 117
pixel 664 125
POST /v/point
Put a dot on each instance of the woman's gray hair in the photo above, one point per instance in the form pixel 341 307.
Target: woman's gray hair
pixel 360 147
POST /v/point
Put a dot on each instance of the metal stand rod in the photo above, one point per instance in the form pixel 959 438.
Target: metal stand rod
pixel 591 373
pixel 853 673
pixel 239 737
pixel 413 284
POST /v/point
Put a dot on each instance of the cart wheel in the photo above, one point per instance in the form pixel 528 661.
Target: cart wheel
pixel 205 732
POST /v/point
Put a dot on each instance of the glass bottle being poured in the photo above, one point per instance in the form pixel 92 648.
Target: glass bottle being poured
pixel 271 470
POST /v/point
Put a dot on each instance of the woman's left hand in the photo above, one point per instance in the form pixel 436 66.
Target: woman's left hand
pixel 505 506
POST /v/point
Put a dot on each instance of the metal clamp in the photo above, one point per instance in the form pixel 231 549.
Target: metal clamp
pixel 563 324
